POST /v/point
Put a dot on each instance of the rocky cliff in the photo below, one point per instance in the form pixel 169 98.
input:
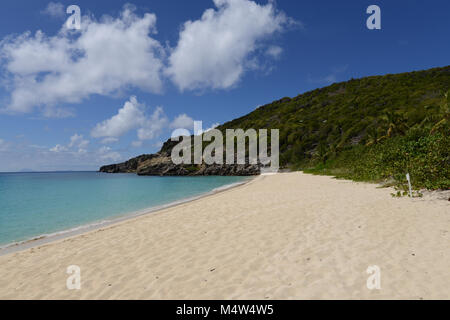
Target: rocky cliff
pixel 160 164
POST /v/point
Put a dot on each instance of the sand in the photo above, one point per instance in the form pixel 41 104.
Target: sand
pixel 286 236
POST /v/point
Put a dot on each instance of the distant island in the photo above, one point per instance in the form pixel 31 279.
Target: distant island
pixel 370 129
pixel 26 171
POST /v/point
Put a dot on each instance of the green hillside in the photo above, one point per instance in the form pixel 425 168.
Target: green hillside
pixel 368 129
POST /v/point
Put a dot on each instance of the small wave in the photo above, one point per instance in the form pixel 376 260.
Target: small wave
pixel 49 237
pixel 228 186
pixel 74 230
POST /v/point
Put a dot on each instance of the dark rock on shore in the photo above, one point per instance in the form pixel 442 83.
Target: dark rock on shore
pixel 160 164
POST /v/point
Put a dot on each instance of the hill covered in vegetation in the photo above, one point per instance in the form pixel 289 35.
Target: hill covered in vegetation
pixel 368 129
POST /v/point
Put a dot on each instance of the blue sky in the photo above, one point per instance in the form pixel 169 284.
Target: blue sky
pixel 77 99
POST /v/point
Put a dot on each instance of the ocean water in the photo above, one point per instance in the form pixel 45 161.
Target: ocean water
pixel 35 204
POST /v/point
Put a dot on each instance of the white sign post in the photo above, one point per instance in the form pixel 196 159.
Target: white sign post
pixel 409 184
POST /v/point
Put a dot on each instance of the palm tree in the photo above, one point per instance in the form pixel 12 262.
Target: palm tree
pixel 396 123
pixel 373 135
pixel 444 113
pixel 432 115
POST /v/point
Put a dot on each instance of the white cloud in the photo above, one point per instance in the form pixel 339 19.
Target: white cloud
pixel 129 117
pixel 112 55
pixel 109 140
pixel 153 126
pixel 77 144
pixel 104 58
pixel 57 112
pixel 55 9
pixel 106 153
pixel 4 146
pixel 59 148
pixel 213 126
pixel 183 121
pixel 77 147
pixel 40 158
pixel 274 51
pixel 330 78
pixel 132 116
pixel 77 141
pixel 214 51
pixel 137 143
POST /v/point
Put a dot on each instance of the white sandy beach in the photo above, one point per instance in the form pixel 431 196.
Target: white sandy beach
pixel 286 236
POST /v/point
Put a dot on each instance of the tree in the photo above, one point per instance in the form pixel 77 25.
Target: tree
pixel 444 113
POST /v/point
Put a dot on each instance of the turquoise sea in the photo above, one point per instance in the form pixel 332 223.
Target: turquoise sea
pixel 35 204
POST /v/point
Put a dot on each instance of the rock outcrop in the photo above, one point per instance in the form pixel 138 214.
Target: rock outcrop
pixel 160 164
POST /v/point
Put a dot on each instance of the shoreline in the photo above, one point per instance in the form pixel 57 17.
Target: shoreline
pixel 284 236
pixel 56 236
